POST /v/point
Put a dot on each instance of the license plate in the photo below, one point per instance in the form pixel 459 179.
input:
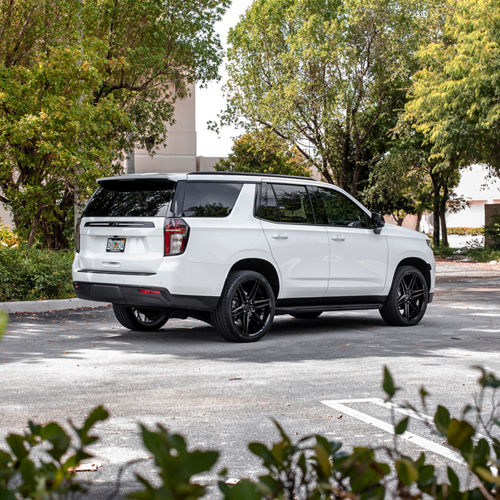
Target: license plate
pixel 116 245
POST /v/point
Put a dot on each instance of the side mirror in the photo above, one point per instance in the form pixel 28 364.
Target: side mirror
pixel 378 222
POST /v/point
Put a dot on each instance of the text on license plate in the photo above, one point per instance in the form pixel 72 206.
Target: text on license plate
pixel 115 245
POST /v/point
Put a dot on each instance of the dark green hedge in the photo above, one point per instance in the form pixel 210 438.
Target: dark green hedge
pixel 33 274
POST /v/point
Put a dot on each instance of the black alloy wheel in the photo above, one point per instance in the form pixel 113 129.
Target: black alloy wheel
pixel 407 301
pixel 141 320
pixel 246 308
pixel 411 291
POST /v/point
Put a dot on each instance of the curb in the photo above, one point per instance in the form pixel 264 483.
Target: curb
pixel 40 306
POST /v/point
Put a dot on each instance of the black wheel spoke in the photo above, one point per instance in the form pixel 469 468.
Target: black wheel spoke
pixel 241 295
pixel 257 319
pixel 406 313
pixel 246 322
pixel 254 291
pixel 237 310
pixel 418 293
pixel 411 285
pixel 261 304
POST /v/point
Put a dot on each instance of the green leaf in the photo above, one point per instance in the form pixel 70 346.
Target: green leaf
pixel 487 476
pixel 98 414
pixel 453 478
pixel 459 433
pixel 426 475
pixel 401 426
pixel 244 490
pixel 4 319
pixel 442 419
pixel 263 452
pixel 406 470
pixel 16 443
pixel 57 437
pixel 6 494
pixel 28 474
pixel 388 384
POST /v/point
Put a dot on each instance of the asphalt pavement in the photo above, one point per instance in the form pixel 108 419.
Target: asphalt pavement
pixel 223 395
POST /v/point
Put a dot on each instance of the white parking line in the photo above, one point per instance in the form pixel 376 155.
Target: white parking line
pixel 427 444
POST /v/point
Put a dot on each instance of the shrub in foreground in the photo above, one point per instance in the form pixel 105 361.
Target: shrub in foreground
pixel 34 274
pixel 310 468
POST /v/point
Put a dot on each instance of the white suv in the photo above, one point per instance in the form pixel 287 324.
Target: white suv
pixel 235 250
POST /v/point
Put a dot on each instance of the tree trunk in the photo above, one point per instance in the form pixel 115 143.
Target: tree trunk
pixel 34 225
pixel 419 220
pixel 436 198
pixel 442 216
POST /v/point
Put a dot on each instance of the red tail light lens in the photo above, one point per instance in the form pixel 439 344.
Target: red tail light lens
pixel 176 236
pixel 77 235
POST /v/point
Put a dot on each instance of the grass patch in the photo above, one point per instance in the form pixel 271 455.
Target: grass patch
pixel 476 254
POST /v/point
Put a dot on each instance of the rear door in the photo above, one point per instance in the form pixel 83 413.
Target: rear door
pixel 299 247
pixel 122 226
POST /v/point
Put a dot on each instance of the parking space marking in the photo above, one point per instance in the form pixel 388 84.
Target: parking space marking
pixel 340 405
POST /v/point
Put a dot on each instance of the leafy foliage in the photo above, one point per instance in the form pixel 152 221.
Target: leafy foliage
pixel 263 151
pixel 40 463
pixel 80 83
pixel 8 237
pixel 492 233
pixel 177 465
pixel 310 468
pixel 455 96
pixel 34 274
pixel 327 76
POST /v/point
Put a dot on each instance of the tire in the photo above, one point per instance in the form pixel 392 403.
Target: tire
pixel 245 311
pixel 139 320
pixel 308 315
pixel 408 298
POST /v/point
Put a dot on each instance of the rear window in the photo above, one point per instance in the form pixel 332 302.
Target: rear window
pixel 134 198
pixel 210 199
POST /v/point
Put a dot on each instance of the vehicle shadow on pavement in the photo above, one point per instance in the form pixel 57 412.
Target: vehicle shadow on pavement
pixel 86 334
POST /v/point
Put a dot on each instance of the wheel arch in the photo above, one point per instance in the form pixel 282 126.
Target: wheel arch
pixel 423 266
pixel 261 266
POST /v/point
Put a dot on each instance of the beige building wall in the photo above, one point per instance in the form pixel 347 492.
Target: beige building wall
pixel 180 153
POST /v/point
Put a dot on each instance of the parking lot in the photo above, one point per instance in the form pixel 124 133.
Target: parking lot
pixel 223 395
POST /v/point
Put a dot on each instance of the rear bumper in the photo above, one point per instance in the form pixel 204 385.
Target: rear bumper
pixel 145 297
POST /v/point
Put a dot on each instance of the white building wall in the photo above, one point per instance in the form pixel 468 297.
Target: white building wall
pixel 179 155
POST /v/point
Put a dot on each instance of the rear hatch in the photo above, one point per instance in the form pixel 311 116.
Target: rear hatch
pixel 122 225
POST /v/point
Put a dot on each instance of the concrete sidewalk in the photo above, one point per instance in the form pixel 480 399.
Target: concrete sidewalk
pixel 446 271
pixel 449 270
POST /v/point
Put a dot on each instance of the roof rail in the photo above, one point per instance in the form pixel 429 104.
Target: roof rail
pixel 254 174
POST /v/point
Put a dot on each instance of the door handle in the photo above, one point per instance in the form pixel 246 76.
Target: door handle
pixel 338 237
pixel 280 236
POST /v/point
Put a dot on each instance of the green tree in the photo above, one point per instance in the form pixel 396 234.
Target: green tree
pixel 325 75
pixel 265 152
pixel 455 97
pixel 400 183
pixel 81 82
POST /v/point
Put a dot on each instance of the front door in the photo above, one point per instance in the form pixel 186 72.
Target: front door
pixel 358 256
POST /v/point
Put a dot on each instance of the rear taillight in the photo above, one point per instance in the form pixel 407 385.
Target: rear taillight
pixel 176 236
pixel 77 235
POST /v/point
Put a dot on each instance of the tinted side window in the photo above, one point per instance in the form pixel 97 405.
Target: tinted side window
pixel 268 208
pixel 338 210
pixel 294 204
pixel 210 199
pixel 130 199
